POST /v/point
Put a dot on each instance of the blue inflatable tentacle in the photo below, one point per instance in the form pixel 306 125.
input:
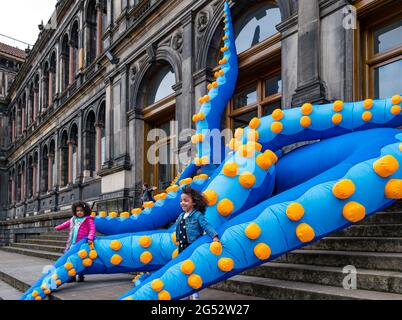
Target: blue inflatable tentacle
pixel 281 227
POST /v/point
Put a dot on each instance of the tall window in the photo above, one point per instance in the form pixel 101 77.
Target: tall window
pixel 159 112
pixel 259 89
pixel 92 28
pixel 382 55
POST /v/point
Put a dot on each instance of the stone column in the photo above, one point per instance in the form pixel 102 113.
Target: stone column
pixel 109 123
pixel 310 87
pixel 71 63
pixel 49 172
pixel 23 184
pixel 98 147
pixel 70 161
pixel 185 101
pixel 99 11
pixel 28 107
pixel 13 130
pixel 23 124
pixel 34 173
pixel 13 190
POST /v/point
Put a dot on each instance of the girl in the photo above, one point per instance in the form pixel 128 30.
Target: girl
pixel 81 226
pixel 191 224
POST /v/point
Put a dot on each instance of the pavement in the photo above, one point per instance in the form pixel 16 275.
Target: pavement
pixel 20 272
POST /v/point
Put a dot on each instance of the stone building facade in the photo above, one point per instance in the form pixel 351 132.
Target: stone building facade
pixel 104 73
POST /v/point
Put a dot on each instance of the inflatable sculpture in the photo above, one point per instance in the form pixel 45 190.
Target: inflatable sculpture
pixel 263 203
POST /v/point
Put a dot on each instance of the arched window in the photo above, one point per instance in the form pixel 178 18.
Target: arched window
pixel 101 149
pixel 44 187
pixel 160 85
pixel 91 22
pixel 52 164
pixel 66 62
pixel 30 177
pixel 19 183
pixel 158 94
pixel 74 145
pixel 31 104
pixel 64 159
pixel 52 78
pixel 36 97
pixel 45 90
pixel 90 145
pixel 75 44
pixel 256 25
pixel 258 93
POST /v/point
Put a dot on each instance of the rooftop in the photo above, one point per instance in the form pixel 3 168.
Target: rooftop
pixel 12 51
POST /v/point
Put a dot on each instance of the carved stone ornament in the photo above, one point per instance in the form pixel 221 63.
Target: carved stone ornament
pixel 133 72
pixel 202 21
pixel 177 40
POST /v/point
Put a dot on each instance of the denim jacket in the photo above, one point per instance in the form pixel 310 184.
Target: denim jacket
pixel 195 226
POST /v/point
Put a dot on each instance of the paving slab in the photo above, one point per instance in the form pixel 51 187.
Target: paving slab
pixel 7 292
pixel 22 271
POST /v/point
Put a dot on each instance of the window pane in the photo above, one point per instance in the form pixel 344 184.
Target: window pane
pixel 388 80
pixel 256 26
pixel 166 128
pixel 269 108
pixel 273 86
pixel 243 120
pixel 388 37
pixel 245 98
pixel 160 86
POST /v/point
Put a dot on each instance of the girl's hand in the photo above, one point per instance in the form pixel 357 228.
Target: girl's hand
pixel 90 243
pixel 216 239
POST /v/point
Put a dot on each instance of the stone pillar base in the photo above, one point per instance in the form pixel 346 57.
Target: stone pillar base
pixel 314 92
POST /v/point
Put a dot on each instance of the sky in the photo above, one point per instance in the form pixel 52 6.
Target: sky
pixel 20 19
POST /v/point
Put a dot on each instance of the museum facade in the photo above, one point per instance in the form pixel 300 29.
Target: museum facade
pixel 104 73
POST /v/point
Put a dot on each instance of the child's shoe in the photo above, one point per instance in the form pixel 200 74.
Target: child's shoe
pixel 80 278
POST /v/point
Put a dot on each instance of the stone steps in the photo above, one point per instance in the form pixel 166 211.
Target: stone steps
pixel 285 290
pixel 8 292
pixel 373 244
pixel 371 230
pixel 384 217
pixel 365 260
pixel 383 281
pixel 47 242
pixel 52 238
pixel 33 253
pixel 38 247
pixel 373 247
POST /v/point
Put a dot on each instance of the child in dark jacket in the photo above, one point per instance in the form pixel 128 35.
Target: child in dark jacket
pixel 81 226
pixel 191 224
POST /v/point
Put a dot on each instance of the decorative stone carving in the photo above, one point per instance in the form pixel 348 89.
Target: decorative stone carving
pixel 151 51
pixel 177 40
pixel 202 21
pixel 133 72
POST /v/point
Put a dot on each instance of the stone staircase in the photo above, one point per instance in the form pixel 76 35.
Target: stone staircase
pixel 373 247
pixel 49 245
